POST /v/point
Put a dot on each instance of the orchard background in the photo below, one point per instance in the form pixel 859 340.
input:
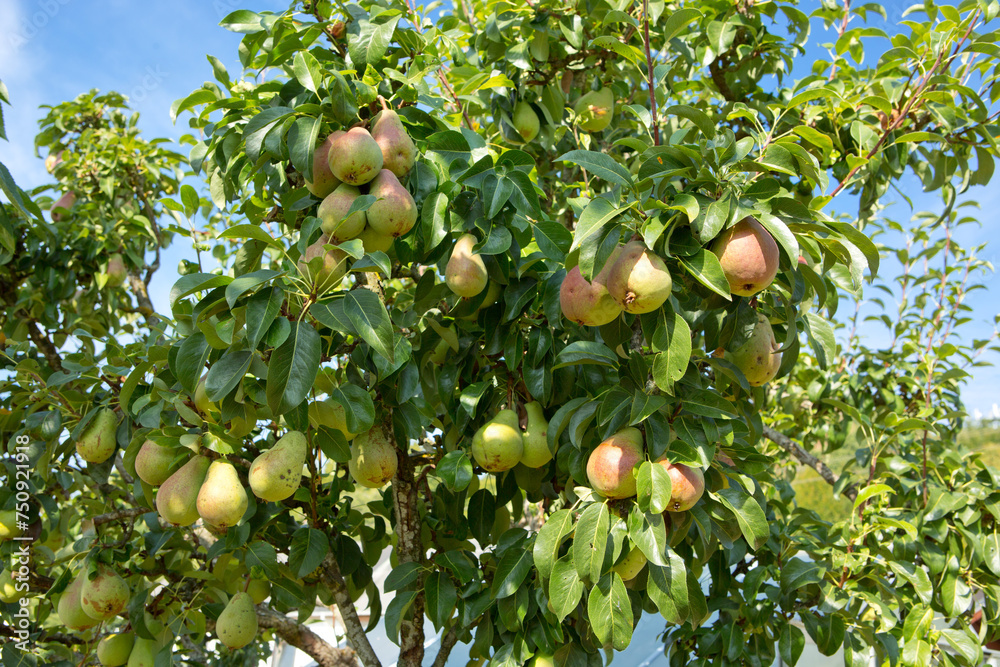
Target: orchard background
pixel 195 468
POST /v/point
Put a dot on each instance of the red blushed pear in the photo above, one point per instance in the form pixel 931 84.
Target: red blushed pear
pixel 611 466
pixel 323 181
pixel 639 280
pixel 687 485
pixel 758 358
pixel 748 255
pixel 60 209
pixel 589 303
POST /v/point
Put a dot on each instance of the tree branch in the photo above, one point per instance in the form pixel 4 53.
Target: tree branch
pixel 44 345
pixel 805 458
pixel 330 570
pixel 447 644
pixel 304 639
pixel 649 68
pixel 142 298
pixel 410 550
pixel 118 515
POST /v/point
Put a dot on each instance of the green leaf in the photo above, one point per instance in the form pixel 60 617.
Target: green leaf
pixel 247 282
pixel 553 239
pixel 796 573
pixel 441 596
pixel 869 492
pixel 779 230
pixel 434 219
pixel 524 197
pixel 601 165
pixel 302 136
pixel 790 644
pixel 370 45
pixel 395 611
pixel 226 373
pixel 196 282
pixel 648 532
pixel 455 470
pixel 293 368
pixel 610 612
pixel 262 309
pixel 191 358
pixel 668 588
pixel 672 339
pixel 128 387
pixel 460 563
pixel 677 22
pixel 307 71
pixel 402 576
pixel 250 232
pixel 585 352
pixel 565 587
pixel 707 270
pixel 259 126
pixel 367 313
pixel 749 515
pixel 590 541
pixel 699 118
pixel 359 408
pixel 599 212
pixel 514 566
pixel 549 539
pixel 262 555
pixel 822 339
pixel 309 548
pixel 653 486
pixel 242 21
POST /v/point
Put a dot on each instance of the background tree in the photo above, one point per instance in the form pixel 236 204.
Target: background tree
pixel 546 136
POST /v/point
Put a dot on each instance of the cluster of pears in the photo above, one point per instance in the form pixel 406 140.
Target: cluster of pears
pixel 355 162
pixel 97 442
pixel 500 444
pixel 93 597
pixel 212 490
pixel 634 280
pixel 373 459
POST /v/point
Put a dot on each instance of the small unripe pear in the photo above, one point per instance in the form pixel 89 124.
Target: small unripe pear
pixel 394 213
pixel 373 458
pixel 337 225
pixel 97 443
pixel 114 650
pixel 259 590
pixel 323 181
pixel 686 485
pixel 201 400
pixel 466 272
pixel 176 499
pixel 8 525
pixel 277 473
pixel 8 588
pixel 526 122
pixel 143 653
pixel 639 280
pixel 498 444
pixel 70 611
pixel 153 463
pixel 354 157
pixel 589 303
pixel 237 624
pixel 104 596
pixel 116 270
pixel 595 110
pixel 536 445
pixel 758 358
pixel 631 565
pixel 398 151
pixel 222 500
pixel 748 255
pixel 611 466
pixel 331 414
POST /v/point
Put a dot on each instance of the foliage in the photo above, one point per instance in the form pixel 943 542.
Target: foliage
pixel 517 566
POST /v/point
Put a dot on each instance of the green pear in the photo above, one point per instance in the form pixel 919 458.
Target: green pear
pixel 355 157
pixel 595 110
pixel 277 473
pixel 373 458
pixel 331 414
pixel 536 444
pixel 526 122
pixel 748 255
pixel 329 267
pixel 758 358
pixel 177 498
pixel 114 650
pixel 589 303
pixel 498 445
pixel 398 151
pixel 201 400
pixel 8 588
pixel 8 525
pixel 375 242
pixel 542 660
pixel 639 280
pixel 465 272
pixel 143 653
pixel 611 466
pixel 116 270
pixel 60 208
pixel 53 160
pixel 97 443
pixel 237 624
pixel 337 225
pixel 222 500
pixel 105 596
pixel 70 613
pixel 394 213
pixel 686 485
pixel 323 181
pixel 629 567
pixel 259 590
pixel 153 463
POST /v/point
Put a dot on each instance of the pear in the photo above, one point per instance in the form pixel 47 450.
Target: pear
pixel 536 444
pixel 201 400
pixel 465 272
pixel 60 208
pixel 331 414
pixel 143 653
pixel 113 650
pixel 277 473
pixel 610 467
pixel 8 525
pixel 375 242
pixel 153 463
pixel 595 110
pixel 222 500
pixel 53 160
pixel 526 122
pixel 629 567
pixel 333 214
pixel 758 358
pixel 70 612
pixel 237 624
pixel 373 458
pixel 355 157
pixel 639 280
pixel 259 590
pixel 687 485
pixel 498 444
pixel 177 498
pixel 8 588
pixel 542 660
pixel 116 270
pixel 328 273
pixel 589 303
pixel 105 596
pixel 394 213
pixel 748 255
pixel 398 151
pixel 323 181
pixel 97 443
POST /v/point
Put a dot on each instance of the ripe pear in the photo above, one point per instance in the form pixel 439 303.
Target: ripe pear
pixel 116 270
pixel 639 280
pixel 105 596
pixel 355 157
pixel 177 498
pixel 758 358
pixel 536 445
pixel 277 473
pixel 60 208
pixel 222 500
pixel 143 653
pixel 466 271
pixel 330 271
pixel 748 255
pixel 331 414
pixel 525 121
pixel 589 303
pixel 8 588
pixel 337 225
pixel 398 151
pixel 97 443
pixel 8 525
pixel 498 444
pixel 259 590
pixel 323 181
pixel 153 463
pixel 70 612
pixel 375 242
pixel 373 458
pixel 395 212
pixel 687 485
pixel 610 467
pixel 542 660
pixel 631 565
pixel 237 624
pixel 114 650
pixel 595 110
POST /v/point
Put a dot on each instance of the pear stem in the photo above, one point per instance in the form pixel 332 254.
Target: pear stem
pixel 385 105
pixel 246 584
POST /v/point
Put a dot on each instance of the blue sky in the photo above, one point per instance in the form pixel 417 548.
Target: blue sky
pixel 53 50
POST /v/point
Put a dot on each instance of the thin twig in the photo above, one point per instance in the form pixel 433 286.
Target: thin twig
pixel 649 68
